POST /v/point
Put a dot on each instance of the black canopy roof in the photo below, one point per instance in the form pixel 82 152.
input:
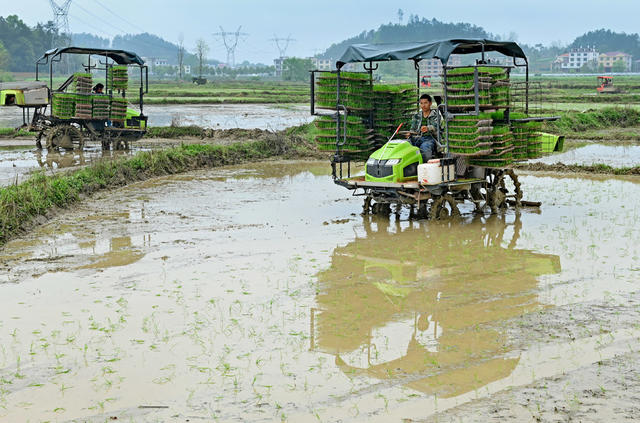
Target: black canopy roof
pixel 121 57
pixel 423 50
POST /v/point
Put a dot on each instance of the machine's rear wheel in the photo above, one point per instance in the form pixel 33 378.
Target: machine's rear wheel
pixel 120 144
pixel 478 198
pixel 516 192
pixel 444 207
pixel 65 136
pixel 383 209
pixel 496 199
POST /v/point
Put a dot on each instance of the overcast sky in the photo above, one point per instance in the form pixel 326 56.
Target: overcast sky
pixel 316 25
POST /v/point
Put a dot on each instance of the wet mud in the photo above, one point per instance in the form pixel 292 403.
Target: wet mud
pixel 18 161
pixel 258 293
pixel 218 116
pixel 215 116
pixel 586 154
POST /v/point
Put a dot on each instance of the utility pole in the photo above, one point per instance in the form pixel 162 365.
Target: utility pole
pixel 282 48
pixel 180 55
pixel 61 21
pixel 230 40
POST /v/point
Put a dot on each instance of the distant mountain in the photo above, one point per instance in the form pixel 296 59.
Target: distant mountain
pixel 146 45
pixel 415 30
pixel 89 41
pixel 605 40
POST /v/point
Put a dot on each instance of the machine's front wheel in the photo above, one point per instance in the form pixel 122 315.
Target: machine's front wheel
pixel 120 144
pixel 65 136
pixel 443 208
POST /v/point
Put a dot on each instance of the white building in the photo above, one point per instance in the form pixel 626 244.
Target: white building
pixel 433 67
pixel 186 69
pixel 322 64
pixel 577 58
pixel 160 62
pixel 277 63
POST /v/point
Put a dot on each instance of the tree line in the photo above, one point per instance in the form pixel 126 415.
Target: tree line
pixel 21 45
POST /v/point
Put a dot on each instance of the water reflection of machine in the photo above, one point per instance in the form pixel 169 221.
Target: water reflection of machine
pixel 419 306
pixel 60 159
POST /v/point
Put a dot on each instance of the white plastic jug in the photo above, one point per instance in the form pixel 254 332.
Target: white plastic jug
pixel 430 173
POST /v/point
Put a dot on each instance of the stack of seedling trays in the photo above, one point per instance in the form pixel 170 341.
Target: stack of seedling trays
pixel 493 88
pixel 501 149
pixel 63 105
pixel 500 89
pixel 355 92
pixel 393 105
pixel 82 83
pixel 526 139
pixel 461 89
pixel 83 106
pixel 100 106
pixel 359 143
pixel 471 135
pixel 118 112
pixel 118 78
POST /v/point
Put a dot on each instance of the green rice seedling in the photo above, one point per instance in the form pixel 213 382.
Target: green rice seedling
pixel 500 130
pixel 82 83
pixel 118 77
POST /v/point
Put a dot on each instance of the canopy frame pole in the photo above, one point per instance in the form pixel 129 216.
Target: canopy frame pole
pixel 338 154
pixel 476 91
pixel 370 69
pixel 446 103
pixel 527 87
pixel 313 91
pixel 416 65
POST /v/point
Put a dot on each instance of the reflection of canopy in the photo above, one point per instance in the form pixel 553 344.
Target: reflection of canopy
pixel 431 50
pixel 121 57
pixel 460 275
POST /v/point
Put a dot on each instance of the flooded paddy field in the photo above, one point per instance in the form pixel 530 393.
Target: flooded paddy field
pixel 588 153
pixel 216 116
pixel 19 160
pixel 258 293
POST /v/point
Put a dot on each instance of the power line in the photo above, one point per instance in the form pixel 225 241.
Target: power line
pixel 282 48
pixel 99 19
pixel 61 20
pixel 229 44
pixel 119 17
pixel 108 34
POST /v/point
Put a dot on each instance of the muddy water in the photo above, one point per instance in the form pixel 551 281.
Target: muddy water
pixel 613 155
pixel 16 162
pixel 258 294
pixel 216 116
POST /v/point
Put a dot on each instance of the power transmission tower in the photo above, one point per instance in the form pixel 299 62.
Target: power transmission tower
pixel 282 48
pixel 230 40
pixel 61 21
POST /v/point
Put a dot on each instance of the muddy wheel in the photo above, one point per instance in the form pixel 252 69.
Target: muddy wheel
pixel 383 209
pixel 496 199
pixel 119 144
pixel 443 208
pixel 516 192
pixel 65 136
pixel 423 210
pixel 106 143
pixel 478 198
pixel 39 140
pixel 366 206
